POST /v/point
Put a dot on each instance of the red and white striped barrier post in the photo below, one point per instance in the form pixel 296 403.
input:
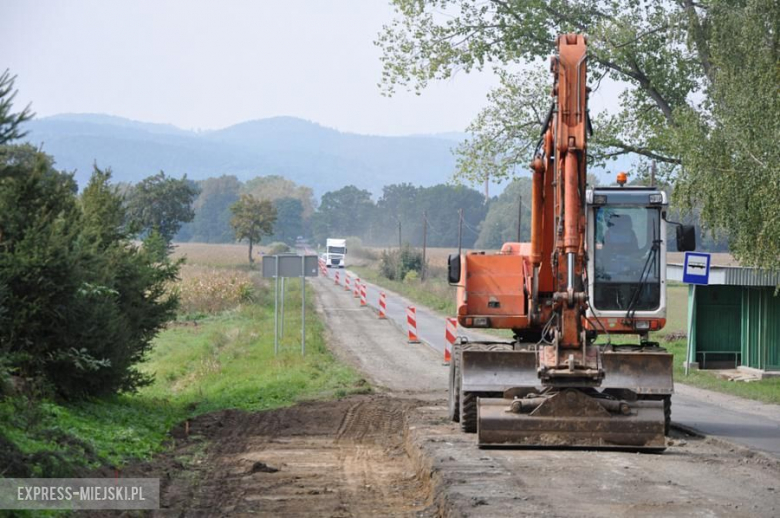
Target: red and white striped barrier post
pixel 450 333
pixel 346 282
pixel 357 288
pixel 363 301
pixel 337 278
pixel 411 320
pixel 382 305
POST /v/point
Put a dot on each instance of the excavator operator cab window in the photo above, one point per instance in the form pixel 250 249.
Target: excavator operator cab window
pixel 627 258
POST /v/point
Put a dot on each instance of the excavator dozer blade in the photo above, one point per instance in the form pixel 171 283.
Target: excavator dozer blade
pixel 497 371
pixel 571 419
pixel 642 373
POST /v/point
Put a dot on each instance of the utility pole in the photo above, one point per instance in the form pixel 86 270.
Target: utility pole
pixel 519 216
pixel 425 236
pixel 652 174
pixel 460 230
pixel 487 188
pixel 398 269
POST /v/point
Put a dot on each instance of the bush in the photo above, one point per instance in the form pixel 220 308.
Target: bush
pixel 355 248
pixel 278 248
pixel 81 301
pixel 411 276
pixel 396 264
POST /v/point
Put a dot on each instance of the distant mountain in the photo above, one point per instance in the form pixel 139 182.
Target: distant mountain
pixel 305 152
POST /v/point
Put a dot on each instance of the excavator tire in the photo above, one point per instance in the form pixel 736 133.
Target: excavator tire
pixel 453 392
pixel 468 412
pixel 667 415
pixel 466 402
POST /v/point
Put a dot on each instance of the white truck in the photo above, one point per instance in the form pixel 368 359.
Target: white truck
pixel 336 253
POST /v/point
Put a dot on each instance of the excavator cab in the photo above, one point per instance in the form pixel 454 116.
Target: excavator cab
pixel 626 242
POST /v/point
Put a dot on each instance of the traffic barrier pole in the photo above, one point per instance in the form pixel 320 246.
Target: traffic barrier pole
pixel 337 278
pixel 346 282
pixel 411 320
pixel 450 333
pixel 363 301
pixel 357 287
pixel 382 305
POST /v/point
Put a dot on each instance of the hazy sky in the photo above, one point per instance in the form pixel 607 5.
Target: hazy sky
pixel 210 64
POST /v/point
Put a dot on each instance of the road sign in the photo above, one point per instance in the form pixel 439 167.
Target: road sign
pixel 697 268
pixel 289 265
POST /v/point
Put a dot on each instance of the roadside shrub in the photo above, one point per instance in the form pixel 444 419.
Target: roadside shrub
pixel 356 249
pixel 278 248
pixel 395 264
pixel 411 276
pixel 82 302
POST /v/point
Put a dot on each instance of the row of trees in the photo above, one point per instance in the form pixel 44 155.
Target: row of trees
pixel 279 210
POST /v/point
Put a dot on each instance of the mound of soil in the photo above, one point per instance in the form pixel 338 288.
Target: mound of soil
pixel 339 458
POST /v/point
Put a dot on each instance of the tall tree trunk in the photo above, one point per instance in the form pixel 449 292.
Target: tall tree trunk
pixel 251 259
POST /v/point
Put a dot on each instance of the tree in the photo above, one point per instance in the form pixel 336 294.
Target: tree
pixel 252 219
pixel 686 95
pixel 162 203
pixel 289 220
pixel 500 224
pixel 346 212
pixel 211 223
pixel 86 301
pixel 275 187
pixel 10 123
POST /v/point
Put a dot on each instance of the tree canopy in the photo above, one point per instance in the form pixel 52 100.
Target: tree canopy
pixel 252 219
pixel 700 78
pixel 161 203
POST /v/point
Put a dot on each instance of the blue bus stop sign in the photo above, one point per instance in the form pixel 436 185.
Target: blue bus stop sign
pixel 697 268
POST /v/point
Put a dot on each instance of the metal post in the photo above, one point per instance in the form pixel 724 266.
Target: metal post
pixel 281 313
pixel 276 308
pixel 519 217
pixel 303 305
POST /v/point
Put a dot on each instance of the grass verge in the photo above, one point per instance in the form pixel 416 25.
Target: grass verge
pixel 766 390
pixel 221 361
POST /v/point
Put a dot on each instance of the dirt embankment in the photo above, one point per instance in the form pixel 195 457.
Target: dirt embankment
pixel 342 458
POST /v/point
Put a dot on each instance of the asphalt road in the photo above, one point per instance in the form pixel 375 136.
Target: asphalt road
pixel 747 423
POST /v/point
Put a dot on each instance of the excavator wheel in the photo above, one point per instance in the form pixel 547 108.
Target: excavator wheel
pixel 466 402
pixel 453 392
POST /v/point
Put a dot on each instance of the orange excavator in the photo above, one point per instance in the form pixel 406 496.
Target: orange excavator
pixel 595 269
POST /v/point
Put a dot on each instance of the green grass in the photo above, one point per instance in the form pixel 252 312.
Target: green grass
pixel 766 390
pixel 223 361
pixel 434 292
